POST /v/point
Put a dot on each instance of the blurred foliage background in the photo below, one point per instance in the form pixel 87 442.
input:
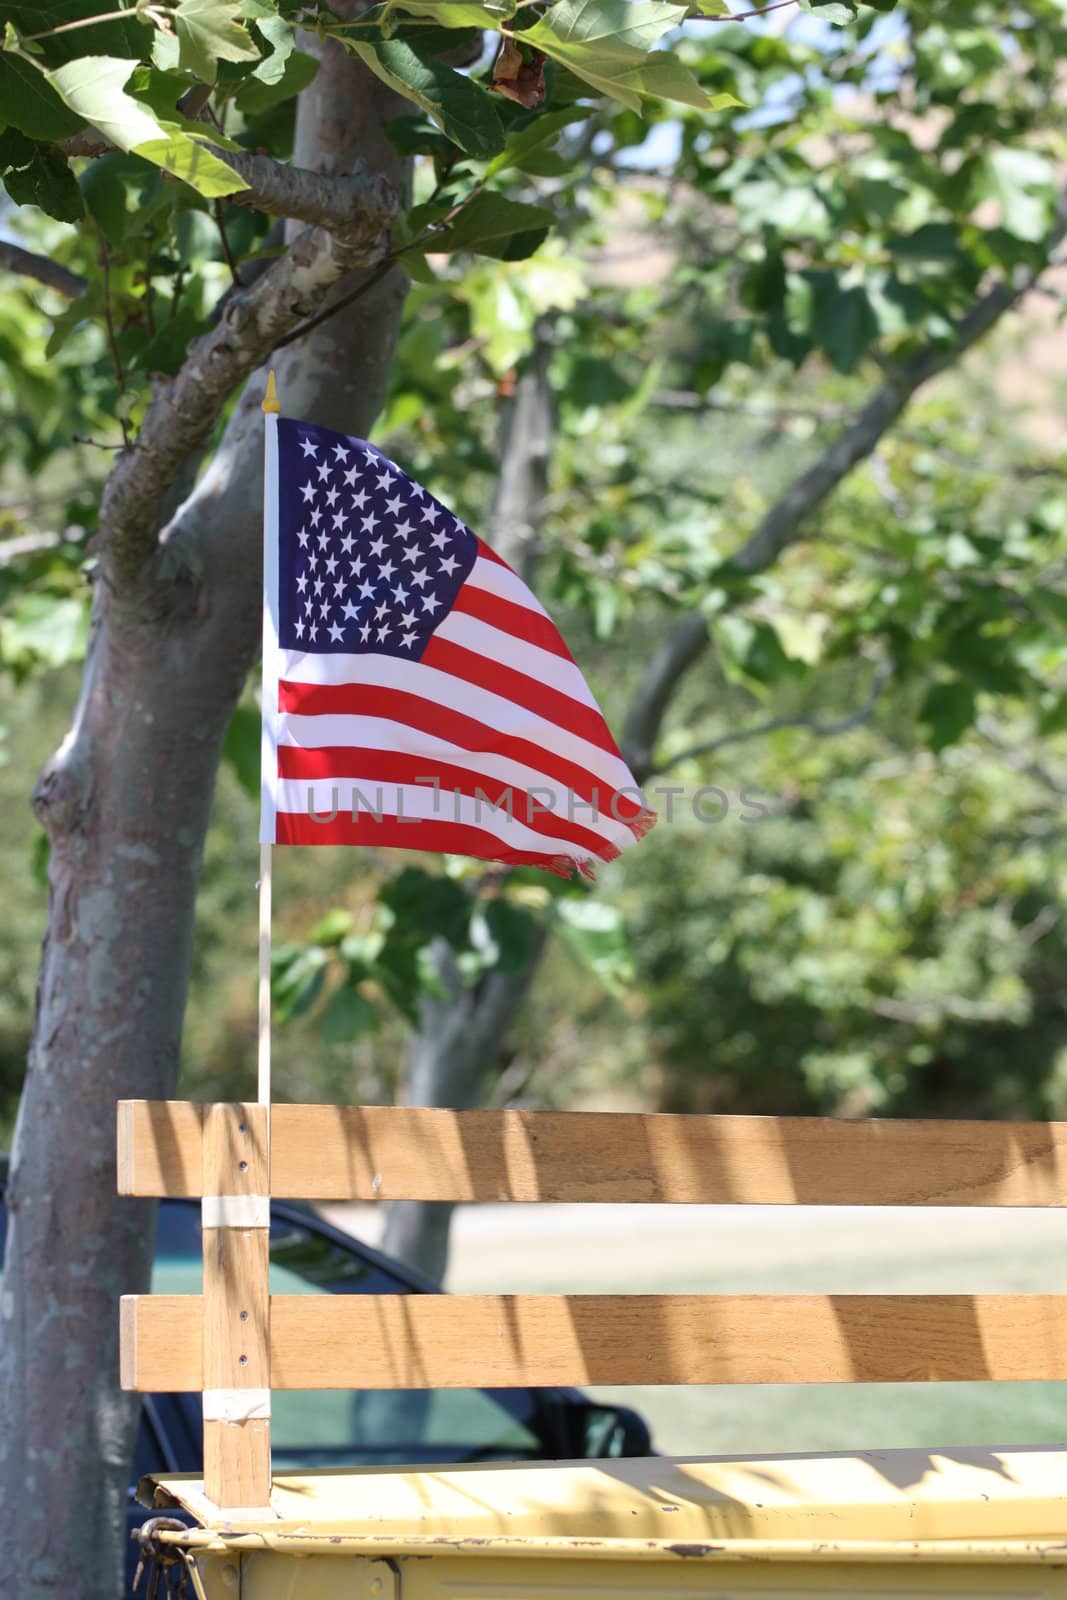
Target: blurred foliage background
pixel 868 914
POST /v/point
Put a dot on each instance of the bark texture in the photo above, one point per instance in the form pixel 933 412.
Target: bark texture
pixel 126 801
pixel 450 1058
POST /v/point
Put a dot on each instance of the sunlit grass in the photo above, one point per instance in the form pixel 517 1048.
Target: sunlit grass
pixel 800 1250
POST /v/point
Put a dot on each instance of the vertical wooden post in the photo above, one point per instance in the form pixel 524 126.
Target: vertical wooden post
pixel 236 1227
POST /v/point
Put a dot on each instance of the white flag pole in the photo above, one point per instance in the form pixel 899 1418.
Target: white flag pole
pixel 264 974
pixel 271 408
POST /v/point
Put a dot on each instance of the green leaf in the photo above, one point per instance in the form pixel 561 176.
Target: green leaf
pixel 594 933
pixel 160 93
pixel 46 630
pixel 424 904
pixel 297 976
pixel 414 136
pixel 510 927
pixel 836 11
pixel 605 43
pixel 40 855
pixel 47 183
pixel 104 193
pixel 612 28
pixel 948 711
pixel 418 268
pixel 664 76
pixel 31 104
pixel 753 650
pixel 501 318
pixel 336 925
pixel 844 326
pixel 1053 602
pixel 114 34
pixel 94 86
pixel 241 748
pixel 15 149
pixel 1022 182
pixel 208 32
pixel 460 13
pixel 278 33
pixel 166 52
pixel 192 162
pixel 490 225
pixel 547 127
pixel 255 96
pixel 459 107
pixel 70 318
pixel 1053 717
pixel 347 1015
pixel 788 207
pixel 982 657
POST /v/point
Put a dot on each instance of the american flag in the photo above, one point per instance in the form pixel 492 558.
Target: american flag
pixel 416 694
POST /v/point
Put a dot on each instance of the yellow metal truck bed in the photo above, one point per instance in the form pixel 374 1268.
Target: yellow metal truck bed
pixel 884 1523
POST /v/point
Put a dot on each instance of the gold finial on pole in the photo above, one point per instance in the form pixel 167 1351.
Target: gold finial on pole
pixel 270 399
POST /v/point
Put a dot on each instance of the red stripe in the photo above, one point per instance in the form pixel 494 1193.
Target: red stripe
pixel 446 838
pixel 399 705
pixel 490 555
pixel 552 704
pixel 397 767
pixel 511 618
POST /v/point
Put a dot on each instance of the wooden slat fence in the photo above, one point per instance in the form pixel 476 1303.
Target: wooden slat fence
pixel 235 1343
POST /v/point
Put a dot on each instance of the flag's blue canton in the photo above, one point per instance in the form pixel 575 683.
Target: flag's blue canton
pixel 368 560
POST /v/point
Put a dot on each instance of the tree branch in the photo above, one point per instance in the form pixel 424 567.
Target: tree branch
pixel 336 201
pixel 340 203
pixel 30 265
pixel 686 644
pixel 1022 760
pixel 527 429
pixel 824 729
pixel 184 410
pixel 936 1007
pixel 784 523
pixel 29 544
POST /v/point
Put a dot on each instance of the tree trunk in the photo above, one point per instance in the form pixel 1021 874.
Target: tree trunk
pixel 126 802
pixel 458 1038
pixel 449 1060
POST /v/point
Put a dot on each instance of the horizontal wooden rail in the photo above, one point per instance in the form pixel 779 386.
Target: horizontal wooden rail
pixel 478 1341
pixel 410 1153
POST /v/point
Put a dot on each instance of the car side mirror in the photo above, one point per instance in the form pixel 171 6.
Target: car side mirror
pixel 609 1431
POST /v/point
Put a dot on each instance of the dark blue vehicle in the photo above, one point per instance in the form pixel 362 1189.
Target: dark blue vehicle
pixel 361 1427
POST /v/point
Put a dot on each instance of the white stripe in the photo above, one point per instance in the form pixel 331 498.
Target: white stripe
pixel 456 694
pixel 326 798
pixel 507 585
pixel 268 765
pixel 236 1405
pixel 496 645
pixel 235 1211
pixel 380 733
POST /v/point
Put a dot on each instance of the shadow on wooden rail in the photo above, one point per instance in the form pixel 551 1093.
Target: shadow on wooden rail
pixel 374 1153
pixel 236 1343
pixel 503 1341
